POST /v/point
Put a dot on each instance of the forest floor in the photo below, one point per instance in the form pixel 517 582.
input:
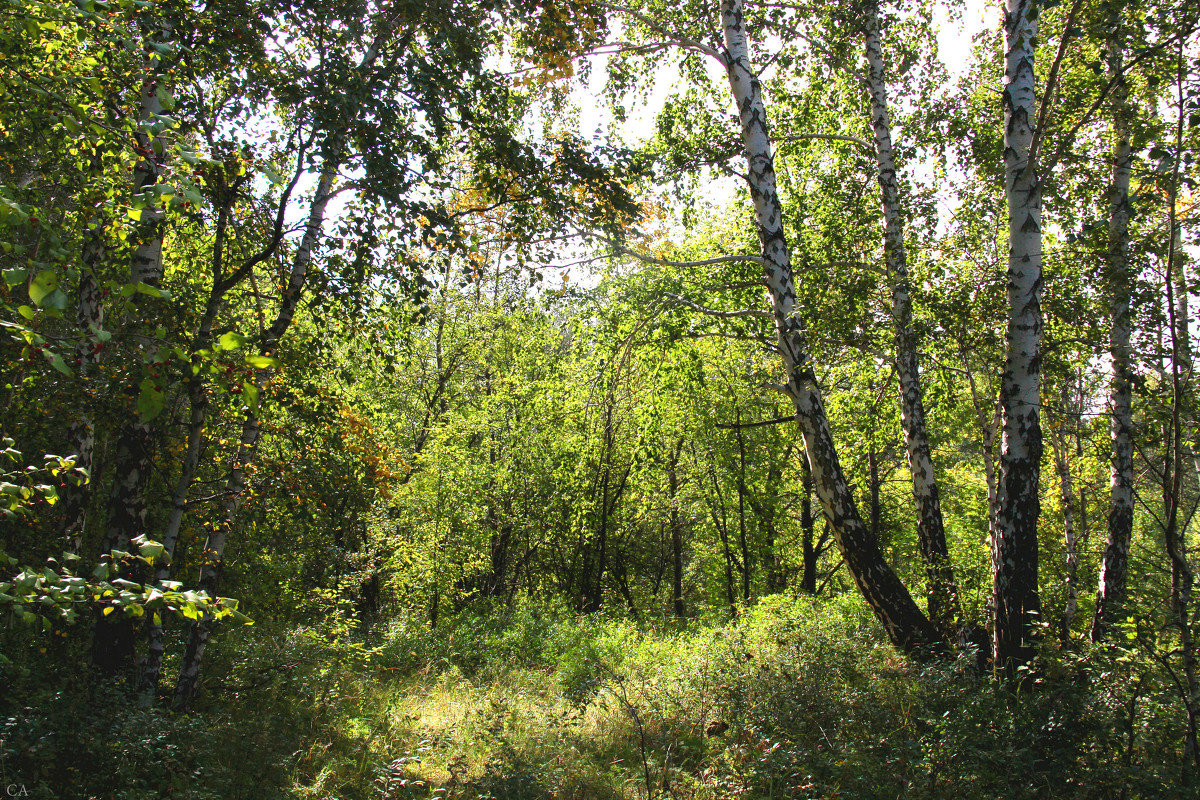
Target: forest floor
pixel 795 698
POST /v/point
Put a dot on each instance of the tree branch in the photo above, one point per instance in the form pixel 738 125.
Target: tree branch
pixel 707 262
pixel 713 312
pixel 777 421
pixel 1039 129
pixel 833 137
pixel 681 41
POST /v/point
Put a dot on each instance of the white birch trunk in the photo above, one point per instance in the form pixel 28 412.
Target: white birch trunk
pixel 146 263
pixel 1114 567
pixel 942 594
pixel 1015 546
pixel 113 636
pixel 905 624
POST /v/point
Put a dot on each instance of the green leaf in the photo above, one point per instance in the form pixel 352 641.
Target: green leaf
pixel 262 362
pixel 232 341
pixel 163 93
pixel 150 400
pixel 151 291
pixel 57 362
pixel 56 299
pixel 250 395
pixel 151 549
pixel 41 287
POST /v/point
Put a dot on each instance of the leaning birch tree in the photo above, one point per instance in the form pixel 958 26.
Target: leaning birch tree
pixel 906 625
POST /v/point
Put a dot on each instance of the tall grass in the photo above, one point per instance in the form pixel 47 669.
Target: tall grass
pixel 795 698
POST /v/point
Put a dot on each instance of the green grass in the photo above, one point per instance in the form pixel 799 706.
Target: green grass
pixel 794 699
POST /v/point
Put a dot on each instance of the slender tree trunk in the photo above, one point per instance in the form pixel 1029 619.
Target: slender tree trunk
pixel 676 532
pixel 905 624
pixel 1186 355
pixel 1058 443
pixel 1114 568
pixel 151 667
pixel 721 523
pixel 1183 579
pixel 1015 598
pixel 876 510
pixel 595 591
pixel 808 576
pixel 942 593
pixel 741 487
pixel 211 563
pixel 765 510
pixel 988 431
pixel 89 318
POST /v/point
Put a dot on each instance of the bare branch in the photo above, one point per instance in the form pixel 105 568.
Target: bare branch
pixel 707 262
pixel 832 137
pixel 713 312
pixel 681 41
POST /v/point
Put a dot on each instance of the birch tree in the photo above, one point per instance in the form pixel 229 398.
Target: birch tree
pixel 942 592
pixel 1118 283
pixel 905 624
pixel 1015 598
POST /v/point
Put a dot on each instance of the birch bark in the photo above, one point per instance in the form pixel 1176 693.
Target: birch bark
pixel 113 637
pixel 942 591
pixel 1114 568
pixel 905 624
pixel 1015 598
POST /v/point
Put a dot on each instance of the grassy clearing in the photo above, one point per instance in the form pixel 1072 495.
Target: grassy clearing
pixel 794 699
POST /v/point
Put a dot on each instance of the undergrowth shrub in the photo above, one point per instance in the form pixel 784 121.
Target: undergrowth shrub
pixel 795 698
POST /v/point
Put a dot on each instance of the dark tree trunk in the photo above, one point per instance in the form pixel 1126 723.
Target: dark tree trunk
pixel 741 487
pixel 676 532
pixel 721 523
pixel 808 541
pixel 212 556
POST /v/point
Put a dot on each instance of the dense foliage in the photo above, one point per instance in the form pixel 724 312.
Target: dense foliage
pixel 371 430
